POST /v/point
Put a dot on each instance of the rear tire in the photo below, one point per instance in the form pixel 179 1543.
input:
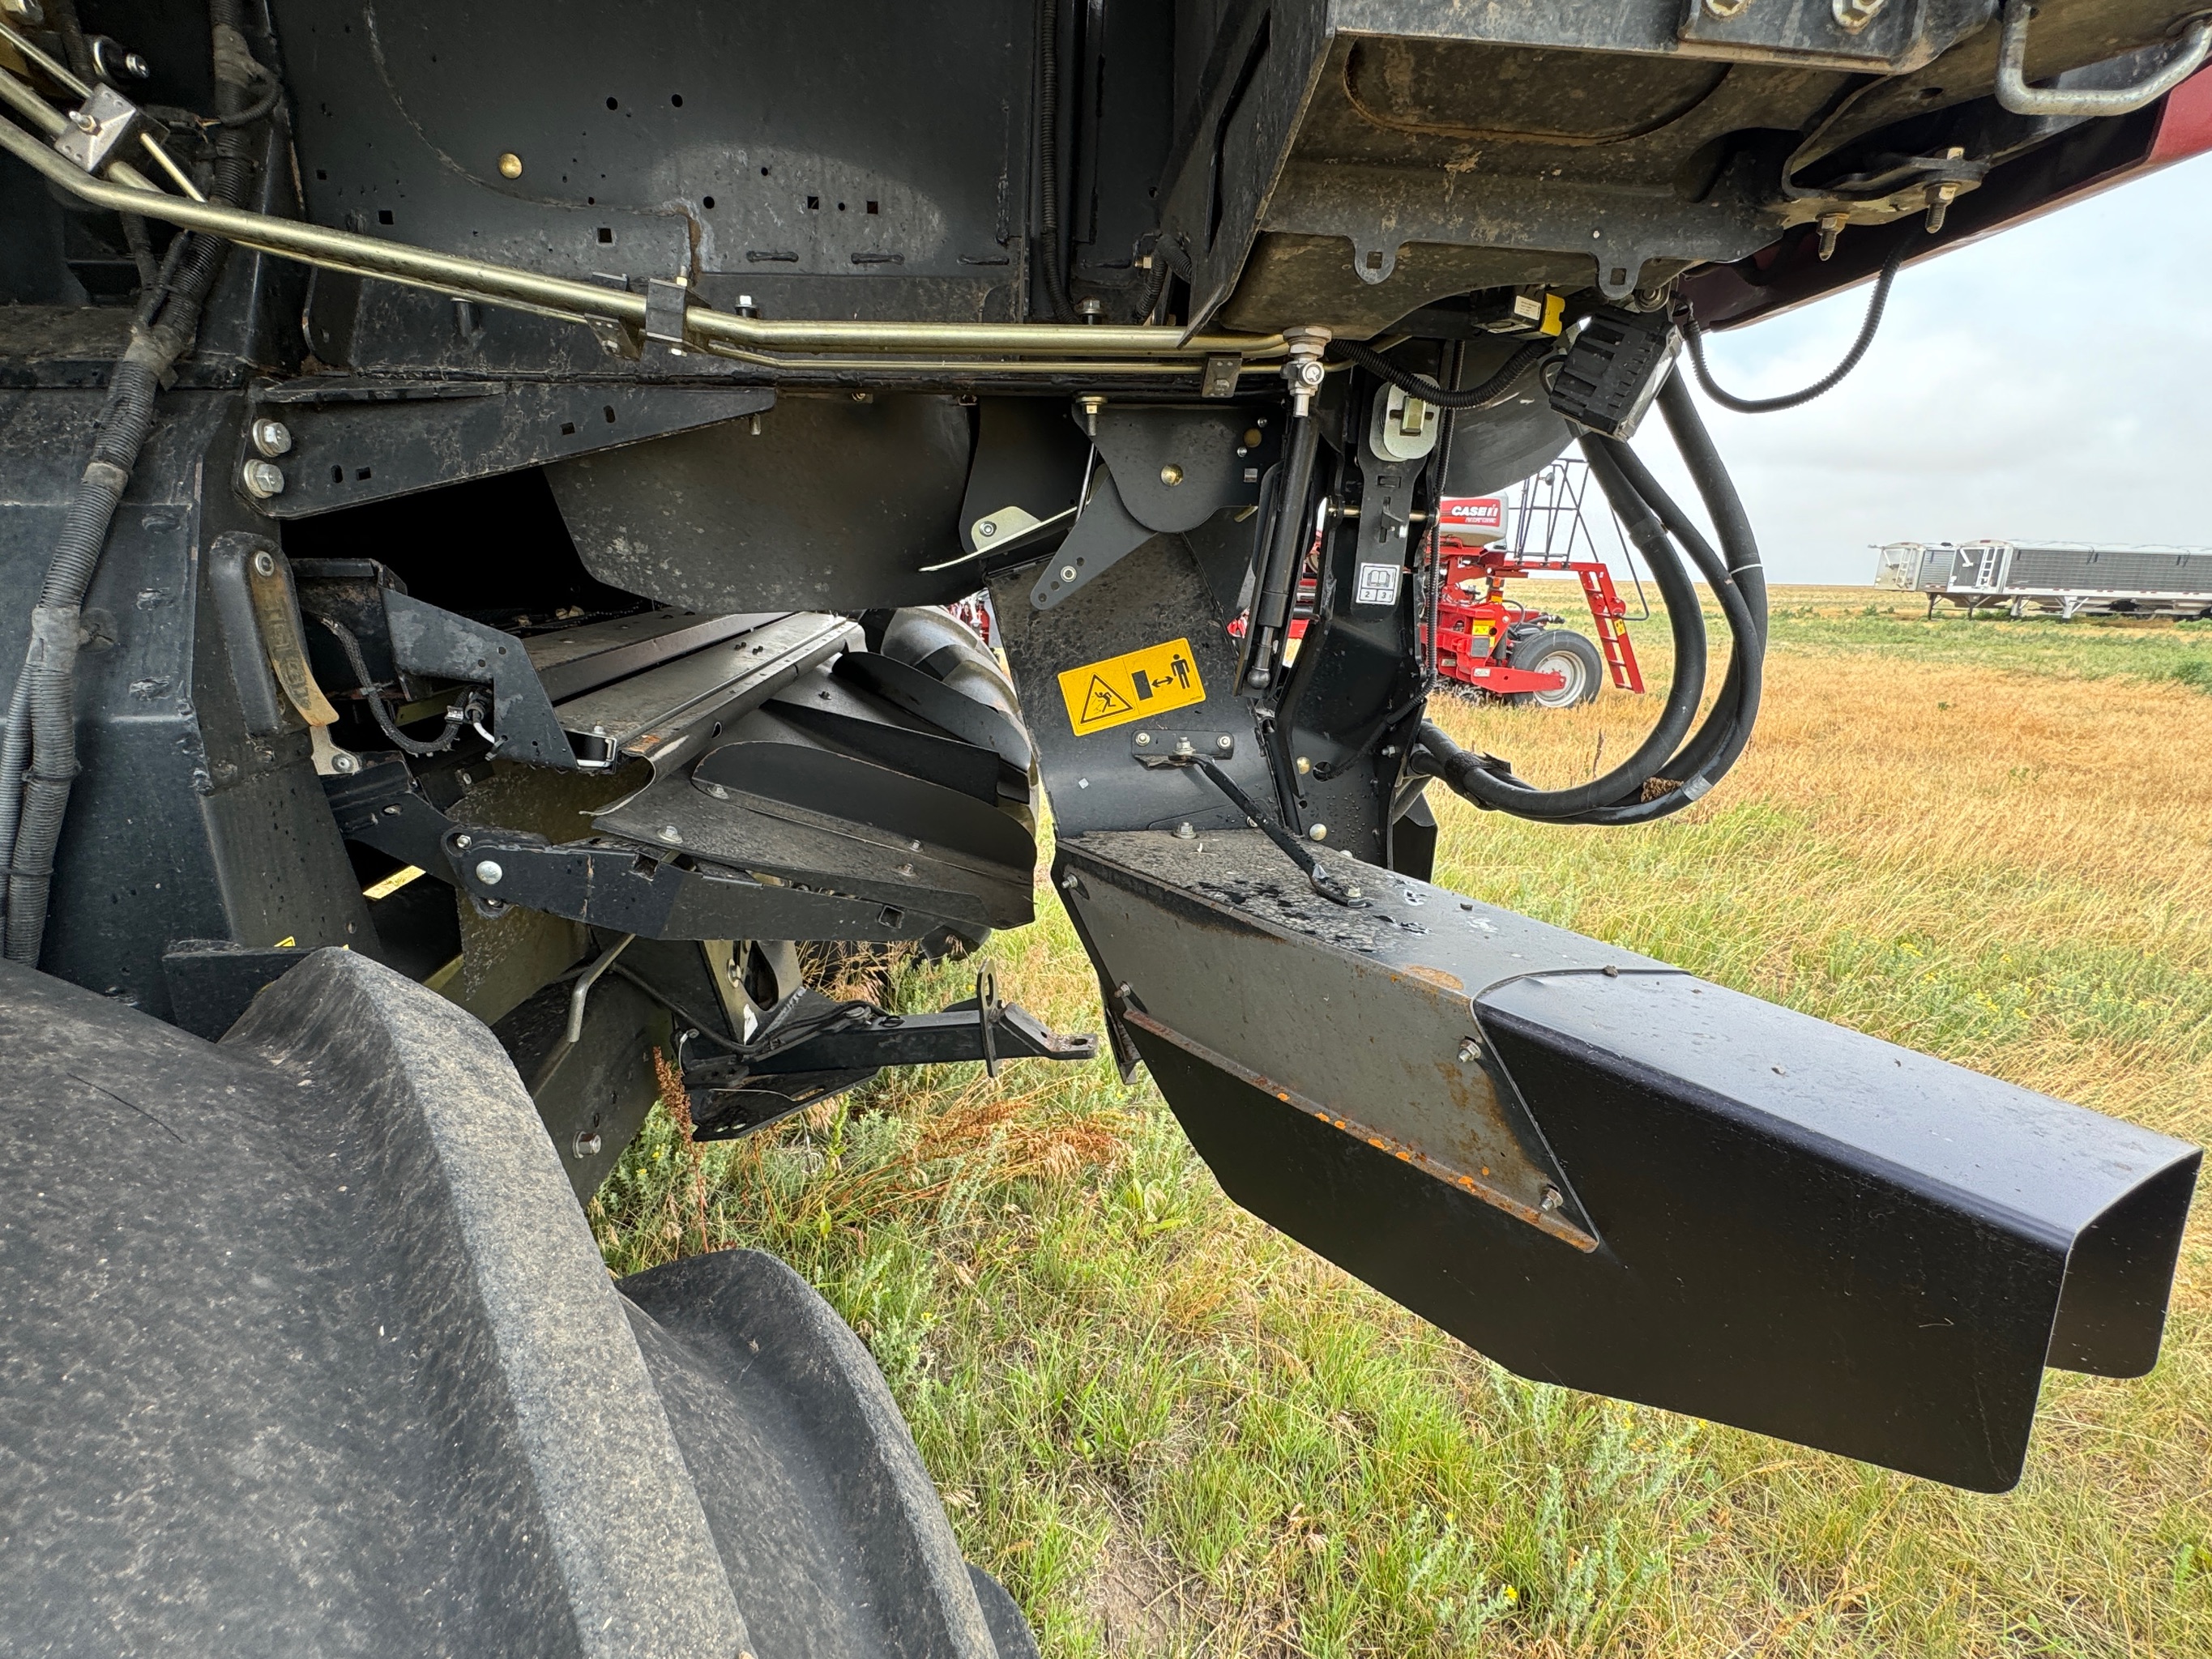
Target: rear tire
pixel 1562 651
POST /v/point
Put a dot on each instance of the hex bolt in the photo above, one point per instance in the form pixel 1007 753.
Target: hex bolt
pixel 1182 746
pixel 343 763
pixel 1143 739
pixel 510 165
pixel 1091 308
pixel 1226 743
pixel 271 437
pixel 262 479
pixel 1551 1199
pixel 587 1143
pixel 1184 832
pixel 1319 832
pixel 489 873
pixel 265 563
pixel 461 844
pixel 672 835
pixel 985 530
pixel 1470 1050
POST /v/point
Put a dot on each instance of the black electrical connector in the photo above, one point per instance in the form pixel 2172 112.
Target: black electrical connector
pixel 1615 368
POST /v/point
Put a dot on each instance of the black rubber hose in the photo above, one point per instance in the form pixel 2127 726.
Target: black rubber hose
pixel 1707 758
pixel 1717 490
pixel 161 333
pixel 1693 335
pixel 1717 746
pixel 1055 285
pixel 399 739
pixel 1691 761
pixel 1495 390
pixel 1487 787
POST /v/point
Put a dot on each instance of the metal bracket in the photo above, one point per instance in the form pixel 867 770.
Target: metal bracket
pixel 1104 534
pixel 812 1048
pixel 103 125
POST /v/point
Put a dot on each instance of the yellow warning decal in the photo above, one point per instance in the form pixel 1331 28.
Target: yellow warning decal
pixel 1133 686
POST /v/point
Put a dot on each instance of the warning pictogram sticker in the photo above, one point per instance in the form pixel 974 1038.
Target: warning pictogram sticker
pixel 1132 686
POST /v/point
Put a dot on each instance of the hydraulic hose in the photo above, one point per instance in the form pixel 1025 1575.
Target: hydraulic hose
pixel 161 331
pixel 1495 390
pixel 1055 285
pixel 454 717
pixel 1487 785
pixel 1739 584
pixel 1721 737
pixel 1693 335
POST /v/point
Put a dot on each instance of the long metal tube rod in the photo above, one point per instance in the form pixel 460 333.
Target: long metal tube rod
pixel 703 327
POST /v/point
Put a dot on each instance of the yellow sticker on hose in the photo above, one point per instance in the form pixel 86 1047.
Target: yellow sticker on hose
pixel 1133 686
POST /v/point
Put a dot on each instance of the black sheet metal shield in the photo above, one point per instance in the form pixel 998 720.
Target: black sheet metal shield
pixel 1606 1173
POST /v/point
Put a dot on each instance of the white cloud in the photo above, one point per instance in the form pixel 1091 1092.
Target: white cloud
pixel 2051 382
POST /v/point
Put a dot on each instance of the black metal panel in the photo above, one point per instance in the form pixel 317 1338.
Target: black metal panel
pixel 355 439
pixel 184 824
pixel 839 143
pixel 836 504
pixel 1786 1226
pixel 1153 597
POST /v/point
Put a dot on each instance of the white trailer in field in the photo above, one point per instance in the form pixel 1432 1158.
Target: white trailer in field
pixel 2071 578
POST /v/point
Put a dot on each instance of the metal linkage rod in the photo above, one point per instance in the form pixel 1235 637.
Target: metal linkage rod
pixel 776 343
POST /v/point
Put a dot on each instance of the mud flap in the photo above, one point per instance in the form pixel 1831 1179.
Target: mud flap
pixel 1606 1173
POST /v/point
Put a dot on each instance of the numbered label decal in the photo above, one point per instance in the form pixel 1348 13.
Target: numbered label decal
pixel 1132 686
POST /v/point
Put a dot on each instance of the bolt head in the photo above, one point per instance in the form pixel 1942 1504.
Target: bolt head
pixel 672 835
pixel 1470 1049
pixel 1319 832
pixel 1224 744
pixel 1184 832
pixel 587 1144
pixel 985 530
pixel 1171 475
pixel 85 121
pixel 341 762
pixel 1552 1199
pixel 1143 739
pixel 1067 573
pixel 272 438
pixel 264 563
pixel 462 841
pixel 262 479
pixel 489 873
pixel 1304 765
pixel 510 166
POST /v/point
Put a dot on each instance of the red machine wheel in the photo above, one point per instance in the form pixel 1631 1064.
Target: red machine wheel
pixel 1562 651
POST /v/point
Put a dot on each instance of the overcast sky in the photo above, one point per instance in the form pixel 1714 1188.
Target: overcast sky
pixel 2053 381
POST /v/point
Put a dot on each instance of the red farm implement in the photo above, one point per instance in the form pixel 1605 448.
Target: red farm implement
pixel 1498 647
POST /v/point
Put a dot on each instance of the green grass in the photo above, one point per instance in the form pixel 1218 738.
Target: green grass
pixel 1895 627
pixel 1171 1430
